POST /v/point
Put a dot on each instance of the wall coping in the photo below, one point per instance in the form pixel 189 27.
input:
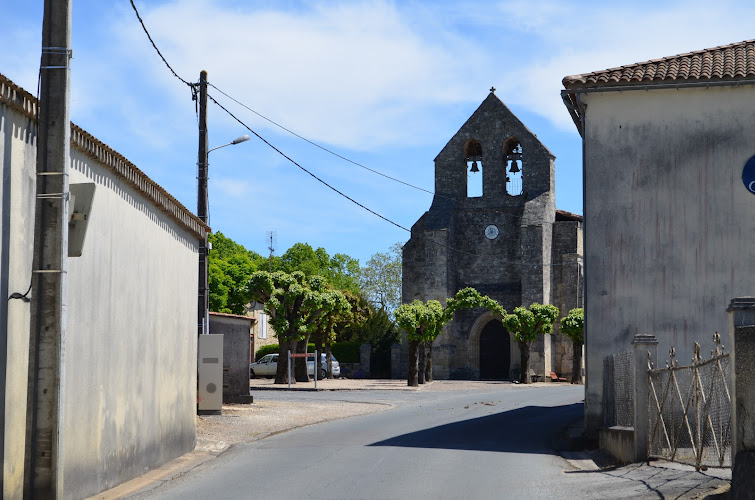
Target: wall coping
pixel 18 99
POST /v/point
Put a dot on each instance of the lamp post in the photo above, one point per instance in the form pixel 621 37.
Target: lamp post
pixel 203 324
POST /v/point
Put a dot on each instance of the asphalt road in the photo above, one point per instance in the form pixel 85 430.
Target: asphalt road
pixel 491 443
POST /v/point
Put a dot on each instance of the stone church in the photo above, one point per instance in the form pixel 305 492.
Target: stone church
pixel 493 225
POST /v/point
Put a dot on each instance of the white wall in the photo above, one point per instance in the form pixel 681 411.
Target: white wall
pixel 17 185
pixel 669 224
pixel 130 368
pixel 129 359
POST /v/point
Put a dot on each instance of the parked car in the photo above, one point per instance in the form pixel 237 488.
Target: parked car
pixel 268 365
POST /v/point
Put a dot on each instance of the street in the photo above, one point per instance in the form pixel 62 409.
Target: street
pixel 496 442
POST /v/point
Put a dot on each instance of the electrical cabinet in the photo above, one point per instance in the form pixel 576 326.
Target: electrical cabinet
pixel 210 374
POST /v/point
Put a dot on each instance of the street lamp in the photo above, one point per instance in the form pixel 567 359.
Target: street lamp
pixel 237 140
pixel 202 212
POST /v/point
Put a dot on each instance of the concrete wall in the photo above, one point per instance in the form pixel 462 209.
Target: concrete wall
pixel 236 351
pixel 129 359
pixel 668 222
pixel 130 365
pixel 18 149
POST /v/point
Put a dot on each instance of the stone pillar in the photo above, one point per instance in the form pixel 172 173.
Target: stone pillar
pixel 396 361
pixel 644 349
pixel 742 341
pixel 365 351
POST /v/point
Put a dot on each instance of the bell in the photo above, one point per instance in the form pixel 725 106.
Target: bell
pixel 514 167
pixel 474 168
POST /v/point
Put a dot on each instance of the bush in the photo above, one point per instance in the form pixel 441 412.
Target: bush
pixel 346 352
pixel 266 349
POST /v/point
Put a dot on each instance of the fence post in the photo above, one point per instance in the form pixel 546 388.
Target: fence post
pixel 365 351
pixel 396 361
pixel 642 345
pixel 742 345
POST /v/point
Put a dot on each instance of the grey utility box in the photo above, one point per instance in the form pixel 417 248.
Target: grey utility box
pixel 210 397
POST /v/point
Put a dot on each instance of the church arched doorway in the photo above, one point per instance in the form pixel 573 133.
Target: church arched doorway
pixel 495 352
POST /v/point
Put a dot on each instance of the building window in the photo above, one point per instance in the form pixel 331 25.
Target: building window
pixel 473 155
pixel 263 326
pixel 513 166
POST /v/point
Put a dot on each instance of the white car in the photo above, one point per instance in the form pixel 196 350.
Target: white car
pixel 268 365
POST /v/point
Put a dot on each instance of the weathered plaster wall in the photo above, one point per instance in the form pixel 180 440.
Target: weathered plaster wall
pixel 18 151
pixel 668 222
pixel 130 364
pixel 236 351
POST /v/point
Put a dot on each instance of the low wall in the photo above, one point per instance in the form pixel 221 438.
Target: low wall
pixel 619 442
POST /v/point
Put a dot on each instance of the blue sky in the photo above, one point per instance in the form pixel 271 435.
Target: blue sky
pixel 385 84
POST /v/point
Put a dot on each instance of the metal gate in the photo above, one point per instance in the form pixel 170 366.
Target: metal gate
pixel 690 410
pixel 380 364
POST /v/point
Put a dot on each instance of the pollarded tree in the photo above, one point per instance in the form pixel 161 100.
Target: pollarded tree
pixel 526 325
pixel 422 322
pixel 293 304
pixel 573 326
pixel 342 314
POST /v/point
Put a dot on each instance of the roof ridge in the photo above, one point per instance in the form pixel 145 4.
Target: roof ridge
pixel 728 61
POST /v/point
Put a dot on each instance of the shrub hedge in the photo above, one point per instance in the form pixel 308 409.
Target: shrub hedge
pixel 346 352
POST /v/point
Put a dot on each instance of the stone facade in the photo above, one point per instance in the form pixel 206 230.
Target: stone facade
pixel 509 243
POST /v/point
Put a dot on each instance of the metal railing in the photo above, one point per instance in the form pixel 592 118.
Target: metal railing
pixel 690 410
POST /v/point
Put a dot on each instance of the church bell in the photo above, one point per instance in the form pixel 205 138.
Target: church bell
pixel 474 168
pixel 514 167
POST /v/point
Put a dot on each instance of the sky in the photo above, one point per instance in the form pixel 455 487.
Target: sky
pixel 385 84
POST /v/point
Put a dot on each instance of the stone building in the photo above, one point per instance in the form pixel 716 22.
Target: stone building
pixel 493 225
pixel 669 199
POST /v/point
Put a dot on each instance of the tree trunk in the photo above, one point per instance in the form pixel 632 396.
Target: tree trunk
pixel 281 372
pixel 576 364
pixel 413 380
pixel 429 363
pixel 524 351
pixel 422 367
pixel 328 359
pixel 300 364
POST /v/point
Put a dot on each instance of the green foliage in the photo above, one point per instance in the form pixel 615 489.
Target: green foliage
pixel 229 267
pixel 470 298
pixel 346 352
pixel 340 270
pixel 295 304
pixel 381 278
pixel 421 321
pixel 573 325
pixel 266 349
pixel 377 329
pixel 526 324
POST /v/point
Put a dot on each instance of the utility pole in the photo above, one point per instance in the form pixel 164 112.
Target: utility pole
pixel 203 324
pixel 48 301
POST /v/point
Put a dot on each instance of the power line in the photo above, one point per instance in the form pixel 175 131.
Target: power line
pixel 349 160
pixel 320 146
pixel 155 46
pixel 193 87
pixel 352 199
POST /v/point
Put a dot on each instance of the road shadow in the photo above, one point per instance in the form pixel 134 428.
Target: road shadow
pixel 531 429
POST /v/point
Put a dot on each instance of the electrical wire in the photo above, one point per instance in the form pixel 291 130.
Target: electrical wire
pixel 193 87
pixel 356 202
pixel 155 46
pixel 462 203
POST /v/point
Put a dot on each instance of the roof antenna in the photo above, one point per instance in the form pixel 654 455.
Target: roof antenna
pixel 271 238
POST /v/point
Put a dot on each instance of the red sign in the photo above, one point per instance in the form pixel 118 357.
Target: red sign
pixel 299 354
